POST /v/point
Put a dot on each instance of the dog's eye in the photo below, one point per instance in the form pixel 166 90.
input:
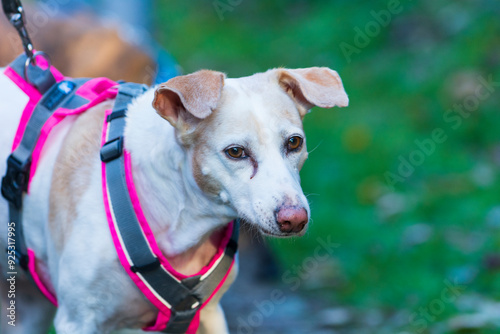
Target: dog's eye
pixel 294 143
pixel 236 152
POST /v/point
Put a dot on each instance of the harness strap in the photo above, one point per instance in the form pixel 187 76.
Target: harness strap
pixel 40 78
pixel 178 298
pixel 183 298
pixel 143 262
pixel 16 180
pixel 205 286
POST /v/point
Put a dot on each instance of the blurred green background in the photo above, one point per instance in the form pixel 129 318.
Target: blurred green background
pixel 412 212
pixel 404 182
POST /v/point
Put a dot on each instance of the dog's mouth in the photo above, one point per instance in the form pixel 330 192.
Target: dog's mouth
pixel 269 233
pixel 279 234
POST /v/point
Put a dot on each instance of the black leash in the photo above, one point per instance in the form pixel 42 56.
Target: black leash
pixel 14 11
pixel 41 79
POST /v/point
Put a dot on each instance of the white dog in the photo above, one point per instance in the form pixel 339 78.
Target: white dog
pixel 204 149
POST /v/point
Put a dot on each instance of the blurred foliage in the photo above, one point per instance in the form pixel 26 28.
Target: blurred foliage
pixel 397 244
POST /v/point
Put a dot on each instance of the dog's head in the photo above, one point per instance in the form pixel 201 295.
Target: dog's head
pixel 246 139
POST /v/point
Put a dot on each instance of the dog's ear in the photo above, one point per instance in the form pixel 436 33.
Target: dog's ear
pixel 186 99
pixel 315 86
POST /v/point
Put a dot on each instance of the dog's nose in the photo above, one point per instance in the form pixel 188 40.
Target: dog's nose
pixel 292 219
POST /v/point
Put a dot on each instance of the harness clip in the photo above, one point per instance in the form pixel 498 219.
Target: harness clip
pixel 190 302
pixel 15 181
pixel 147 267
pixel 112 150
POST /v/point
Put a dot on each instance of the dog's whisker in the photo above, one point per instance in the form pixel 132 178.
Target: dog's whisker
pixel 314 149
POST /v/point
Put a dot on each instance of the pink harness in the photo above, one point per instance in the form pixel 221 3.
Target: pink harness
pixel 93 92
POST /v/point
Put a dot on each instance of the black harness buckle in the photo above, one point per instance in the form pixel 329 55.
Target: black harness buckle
pixel 190 302
pixel 112 150
pixel 21 259
pixel 15 181
pixel 146 267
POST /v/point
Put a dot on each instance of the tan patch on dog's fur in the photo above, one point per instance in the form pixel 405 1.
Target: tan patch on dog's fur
pixel 207 183
pixel 73 171
pixel 194 259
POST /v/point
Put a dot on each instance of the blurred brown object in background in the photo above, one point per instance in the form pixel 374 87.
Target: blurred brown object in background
pixel 80 46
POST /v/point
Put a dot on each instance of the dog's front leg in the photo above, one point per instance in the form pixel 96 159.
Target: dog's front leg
pixel 212 320
pixel 67 322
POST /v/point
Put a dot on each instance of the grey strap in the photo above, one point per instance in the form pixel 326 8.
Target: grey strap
pixel 184 298
pixel 41 79
pixel 44 109
pixel 16 180
pixel 207 286
pixel 145 263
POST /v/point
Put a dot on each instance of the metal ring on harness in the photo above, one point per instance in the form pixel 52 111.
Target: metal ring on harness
pixel 32 61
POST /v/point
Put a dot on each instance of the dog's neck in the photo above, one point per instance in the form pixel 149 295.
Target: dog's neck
pixel 181 216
